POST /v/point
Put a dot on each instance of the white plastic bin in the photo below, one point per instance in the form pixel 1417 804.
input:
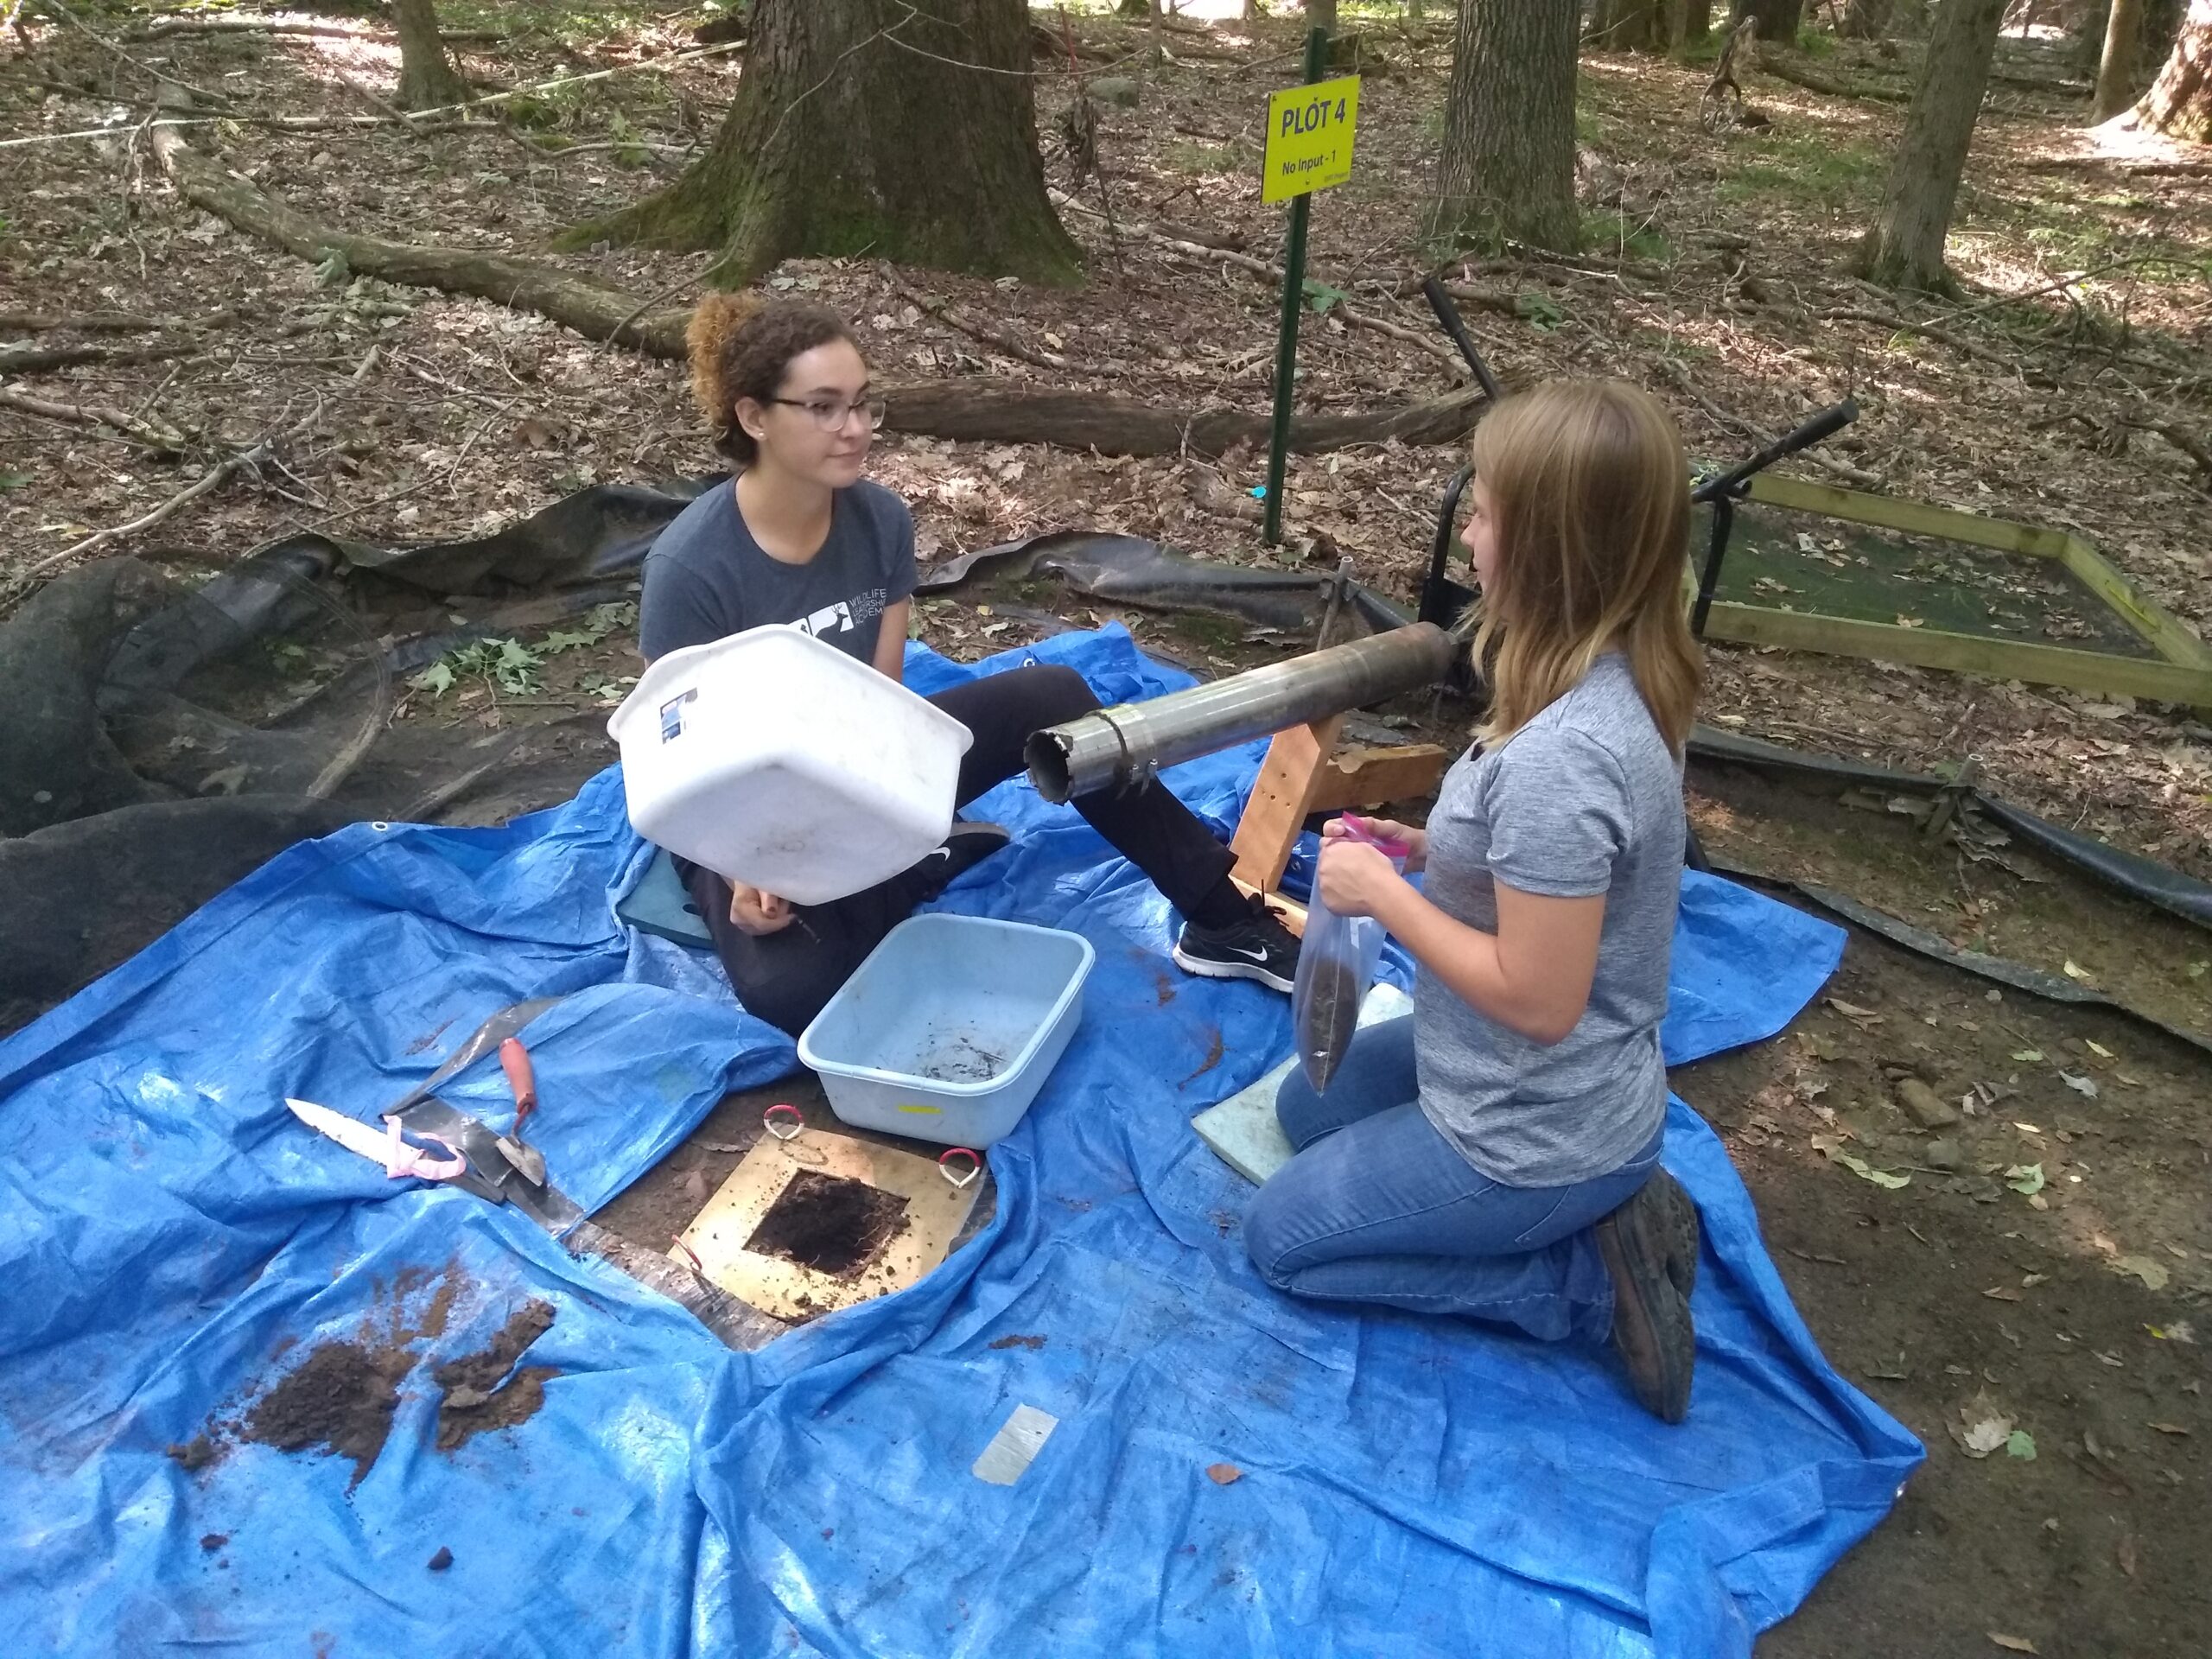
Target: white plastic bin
pixel 950 1028
pixel 779 760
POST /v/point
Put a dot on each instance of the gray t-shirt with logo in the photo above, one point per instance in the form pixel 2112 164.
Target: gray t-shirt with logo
pixel 1585 799
pixel 706 578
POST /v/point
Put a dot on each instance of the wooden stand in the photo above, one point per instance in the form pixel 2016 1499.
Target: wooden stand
pixel 1304 773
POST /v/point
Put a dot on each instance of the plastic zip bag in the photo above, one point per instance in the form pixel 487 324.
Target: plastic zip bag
pixel 1336 967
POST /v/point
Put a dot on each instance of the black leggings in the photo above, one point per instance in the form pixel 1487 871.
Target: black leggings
pixel 786 976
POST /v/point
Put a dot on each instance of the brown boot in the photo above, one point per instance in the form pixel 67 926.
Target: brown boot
pixel 1678 1229
pixel 1651 1318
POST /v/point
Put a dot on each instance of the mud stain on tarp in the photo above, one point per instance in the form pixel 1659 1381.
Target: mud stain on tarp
pixel 480 1396
pixel 340 1400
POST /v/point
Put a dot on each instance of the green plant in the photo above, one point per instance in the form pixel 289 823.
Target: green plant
pixel 506 665
pixel 1199 161
pixel 1538 311
pixel 598 622
pixel 1826 171
pixel 1604 230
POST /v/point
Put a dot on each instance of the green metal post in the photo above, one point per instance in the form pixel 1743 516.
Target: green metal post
pixel 1293 301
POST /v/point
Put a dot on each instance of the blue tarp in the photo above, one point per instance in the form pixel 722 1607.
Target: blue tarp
pixel 172 1242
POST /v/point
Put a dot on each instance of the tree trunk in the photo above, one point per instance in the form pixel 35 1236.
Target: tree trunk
pixel 1321 14
pixel 2179 103
pixel 1697 19
pixel 1905 247
pixel 427 80
pixel 1507 165
pixel 2085 45
pixel 1638 26
pixel 1865 20
pixel 2116 63
pixel 1778 19
pixel 1251 14
pixel 902 129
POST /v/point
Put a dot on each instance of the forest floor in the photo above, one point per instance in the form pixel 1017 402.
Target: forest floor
pixel 1710 275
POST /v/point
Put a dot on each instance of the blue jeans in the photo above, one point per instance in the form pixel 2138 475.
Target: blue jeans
pixel 1378 1206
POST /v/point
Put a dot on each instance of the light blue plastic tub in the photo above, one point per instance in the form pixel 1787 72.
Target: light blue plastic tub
pixel 950 1028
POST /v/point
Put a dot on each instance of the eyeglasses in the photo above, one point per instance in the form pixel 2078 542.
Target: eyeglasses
pixel 830 415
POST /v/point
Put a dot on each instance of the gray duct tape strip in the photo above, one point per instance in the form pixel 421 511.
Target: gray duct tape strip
pixel 1016 1444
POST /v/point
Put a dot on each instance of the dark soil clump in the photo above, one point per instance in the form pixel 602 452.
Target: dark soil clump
pixel 196 1454
pixel 829 1223
pixel 479 1393
pixel 342 1398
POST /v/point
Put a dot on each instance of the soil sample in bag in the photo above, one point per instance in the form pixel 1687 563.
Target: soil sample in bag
pixel 1328 1019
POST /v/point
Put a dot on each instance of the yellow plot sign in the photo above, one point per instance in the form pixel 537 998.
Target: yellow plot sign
pixel 1309 137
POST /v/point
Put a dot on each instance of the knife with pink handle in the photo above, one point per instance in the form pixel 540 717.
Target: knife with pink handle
pixel 400 1158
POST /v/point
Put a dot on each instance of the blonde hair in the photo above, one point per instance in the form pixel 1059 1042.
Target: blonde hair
pixel 1589 498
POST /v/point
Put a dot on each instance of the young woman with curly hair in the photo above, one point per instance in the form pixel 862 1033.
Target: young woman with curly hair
pixel 798 534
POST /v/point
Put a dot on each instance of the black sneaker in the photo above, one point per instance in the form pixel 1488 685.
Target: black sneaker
pixel 968 845
pixel 1651 1318
pixel 1257 946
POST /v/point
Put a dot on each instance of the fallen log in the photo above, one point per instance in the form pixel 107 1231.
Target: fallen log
pixel 38 360
pixel 112 322
pixel 1121 426
pixel 165 28
pixel 1799 74
pixel 958 410
pixel 595 309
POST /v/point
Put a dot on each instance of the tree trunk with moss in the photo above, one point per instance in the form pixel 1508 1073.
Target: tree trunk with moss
pixel 905 129
pixel 2179 103
pixel 1905 247
pixel 1508 168
pixel 427 80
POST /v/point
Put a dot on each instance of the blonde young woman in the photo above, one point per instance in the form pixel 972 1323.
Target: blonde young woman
pixel 1495 1154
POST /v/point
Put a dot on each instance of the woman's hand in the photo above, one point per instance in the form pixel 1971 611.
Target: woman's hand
pixel 759 913
pixel 1355 879
pixel 1412 836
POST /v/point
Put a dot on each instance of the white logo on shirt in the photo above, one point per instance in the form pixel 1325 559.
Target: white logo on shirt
pixel 831 619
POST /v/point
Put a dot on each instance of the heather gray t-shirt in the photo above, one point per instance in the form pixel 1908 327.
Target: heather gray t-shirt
pixel 706 578
pixel 1585 799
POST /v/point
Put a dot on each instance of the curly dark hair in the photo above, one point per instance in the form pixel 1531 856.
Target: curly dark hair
pixel 740 345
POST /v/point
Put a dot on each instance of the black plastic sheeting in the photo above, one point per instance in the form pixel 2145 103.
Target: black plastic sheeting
pixel 2001 971
pixel 2170 890
pixel 160 741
